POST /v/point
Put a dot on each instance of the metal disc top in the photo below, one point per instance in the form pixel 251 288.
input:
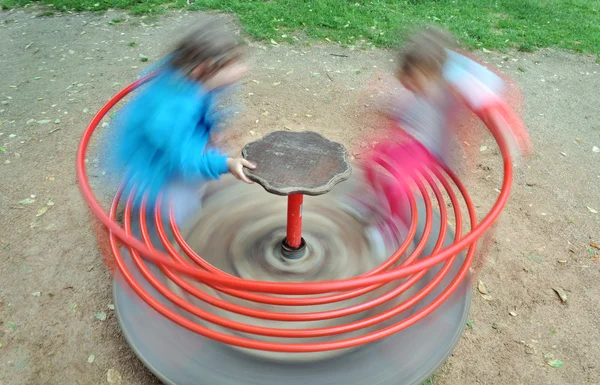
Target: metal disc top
pixel 297 163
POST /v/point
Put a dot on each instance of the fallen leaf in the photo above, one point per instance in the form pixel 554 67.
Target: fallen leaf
pixel 512 313
pixel 36 294
pixel 470 324
pixel 42 211
pixel 561 293
pixel 595 245
pixel 481 287
pixel 44 121
pixel 26 201
pixel 556 363
pixel 593 211
pixel 91 358
pixel 57 121
pixel 276 83
pixel 1 345
pixel 483 148
pixel 12 326
pixel 563 154
pixel 73 308
pixel 50 203
pixel 487 297
pixel 101 316
pixel 595 149
pixel 113 377
pixel 111 306
pixel 85 110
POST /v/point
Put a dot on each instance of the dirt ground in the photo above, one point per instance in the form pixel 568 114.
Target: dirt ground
pixel 56 72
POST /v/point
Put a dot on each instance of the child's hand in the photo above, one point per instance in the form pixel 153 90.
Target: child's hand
pixel 236 168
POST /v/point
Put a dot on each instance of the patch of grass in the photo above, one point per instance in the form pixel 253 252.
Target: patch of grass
pixel 526 25
pixel 132 44
pixel 46 14
pixel 432 380
pixel 115 21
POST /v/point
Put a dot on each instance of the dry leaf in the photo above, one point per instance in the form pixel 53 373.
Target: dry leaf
pixel 36 294
pixel 593 211
pixel 276 83
pixel 113 377
pixel 91 358
pixel 481 287
pixel 561 294
pixel 42 211
pixel 487 297
pixel 595 245
pixel 595 149
pixel 512 313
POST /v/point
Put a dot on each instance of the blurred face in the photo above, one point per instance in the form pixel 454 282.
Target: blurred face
pixel 227 74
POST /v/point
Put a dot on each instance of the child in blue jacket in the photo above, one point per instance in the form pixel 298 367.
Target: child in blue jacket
pixel 164 134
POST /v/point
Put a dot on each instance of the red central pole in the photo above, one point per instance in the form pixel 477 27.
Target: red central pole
pixel 294 221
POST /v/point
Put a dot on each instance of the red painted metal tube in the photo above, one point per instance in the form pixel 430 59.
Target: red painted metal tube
pixel 293 237
pixel 411 269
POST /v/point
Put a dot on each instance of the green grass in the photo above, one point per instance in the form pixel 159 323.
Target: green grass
pixel 525 25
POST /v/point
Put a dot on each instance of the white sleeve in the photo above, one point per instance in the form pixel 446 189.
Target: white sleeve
pixel 479 86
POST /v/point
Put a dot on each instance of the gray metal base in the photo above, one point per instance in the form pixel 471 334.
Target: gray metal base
pixel 180 357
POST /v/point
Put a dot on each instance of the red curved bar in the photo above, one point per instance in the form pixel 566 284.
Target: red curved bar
pixel 412 268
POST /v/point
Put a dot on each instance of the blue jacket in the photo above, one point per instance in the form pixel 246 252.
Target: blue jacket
pixel 163 133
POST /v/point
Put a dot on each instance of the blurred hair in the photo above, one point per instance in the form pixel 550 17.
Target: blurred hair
pixel 207 41
pixel 426 50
